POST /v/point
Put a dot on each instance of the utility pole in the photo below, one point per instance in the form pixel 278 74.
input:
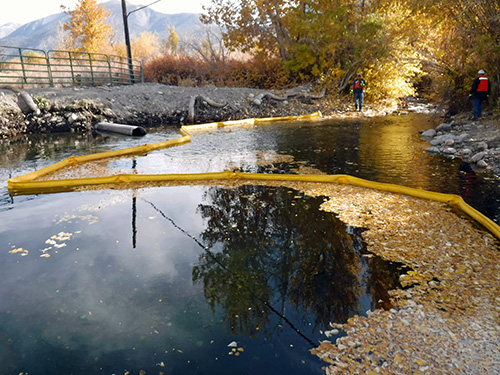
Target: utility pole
pixel 127 36
pixel 127 42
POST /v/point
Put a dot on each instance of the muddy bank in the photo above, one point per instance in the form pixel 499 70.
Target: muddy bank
pixel 78 109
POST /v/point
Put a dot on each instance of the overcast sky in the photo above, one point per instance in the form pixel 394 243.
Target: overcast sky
pixel 24 11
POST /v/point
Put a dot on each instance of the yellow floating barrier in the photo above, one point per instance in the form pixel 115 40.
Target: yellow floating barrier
pixel 28 183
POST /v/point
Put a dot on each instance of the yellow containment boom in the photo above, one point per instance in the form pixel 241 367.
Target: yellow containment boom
pixel 28 183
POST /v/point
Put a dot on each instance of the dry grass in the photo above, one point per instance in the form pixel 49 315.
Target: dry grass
pixel 181 70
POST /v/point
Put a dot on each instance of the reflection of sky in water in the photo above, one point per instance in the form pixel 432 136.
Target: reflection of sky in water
pixel 111 305
pixel 98 281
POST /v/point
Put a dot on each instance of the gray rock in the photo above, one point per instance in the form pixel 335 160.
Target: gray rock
pixel 442 139
pixel 460 138
pixel 444 127
pixel 466 151
pixel 449 151
pixel 429 133
pixel 482 164
pixel 72 118
pixel 475 158
pixel 449 142
pixel 482 146
pixel 432 150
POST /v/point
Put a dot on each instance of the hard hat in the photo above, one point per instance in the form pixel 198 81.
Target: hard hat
pixel 481 72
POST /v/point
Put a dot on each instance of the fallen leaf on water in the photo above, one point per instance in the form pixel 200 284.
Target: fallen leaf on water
pixel 19 250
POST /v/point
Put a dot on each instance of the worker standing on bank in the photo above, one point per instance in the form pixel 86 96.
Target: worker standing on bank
pixel 357 88
pixel 479 92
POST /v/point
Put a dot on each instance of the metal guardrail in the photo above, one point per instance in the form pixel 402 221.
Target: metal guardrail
pixel 35 67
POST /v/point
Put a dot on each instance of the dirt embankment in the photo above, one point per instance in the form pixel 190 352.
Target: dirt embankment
pixel 77 109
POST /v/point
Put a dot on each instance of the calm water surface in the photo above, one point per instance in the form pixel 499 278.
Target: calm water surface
pixel 164 279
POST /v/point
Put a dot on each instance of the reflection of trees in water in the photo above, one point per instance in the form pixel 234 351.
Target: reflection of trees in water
pixel 15 150
pixel 274 245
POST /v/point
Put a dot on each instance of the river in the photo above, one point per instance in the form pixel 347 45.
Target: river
pixel 202 280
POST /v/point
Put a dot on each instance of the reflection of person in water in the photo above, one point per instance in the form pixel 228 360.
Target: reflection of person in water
pixel 467 181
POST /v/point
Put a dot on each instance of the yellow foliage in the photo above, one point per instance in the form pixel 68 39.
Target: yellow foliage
pixel 34 57
pixel 172 41
pixel 145 47
pixel 87 26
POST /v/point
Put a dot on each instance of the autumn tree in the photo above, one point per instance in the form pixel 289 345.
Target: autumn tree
pixel 88 27
pixel 326 40
pixel 172 42
pixel 144 47
pixel 465 37
pixel 211 49
pixel 395 44
pixel 477 25
pixel 252 25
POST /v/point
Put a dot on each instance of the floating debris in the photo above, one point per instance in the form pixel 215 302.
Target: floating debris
pixel 20 250
pixel 68 218
pixel 236 351
pixel 451 296
pixel 62 236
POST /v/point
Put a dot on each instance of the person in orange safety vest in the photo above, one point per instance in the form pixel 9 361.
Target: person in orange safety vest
pixel 479 92
pixel 357 88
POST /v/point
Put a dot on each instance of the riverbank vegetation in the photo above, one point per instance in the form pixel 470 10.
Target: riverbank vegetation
pixel 414 47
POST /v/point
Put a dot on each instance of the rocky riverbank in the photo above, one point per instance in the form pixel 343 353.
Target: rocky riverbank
pixel 476 142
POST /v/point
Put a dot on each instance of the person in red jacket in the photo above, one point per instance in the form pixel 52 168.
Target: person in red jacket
pixel 357 88
pixel 479 92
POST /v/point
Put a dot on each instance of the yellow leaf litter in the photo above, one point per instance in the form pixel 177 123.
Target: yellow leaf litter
pixel 448 321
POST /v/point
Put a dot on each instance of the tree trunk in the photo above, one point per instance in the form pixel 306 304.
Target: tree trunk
pixel 282 35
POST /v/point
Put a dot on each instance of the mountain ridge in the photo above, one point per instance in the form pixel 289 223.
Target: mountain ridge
pixel 46 33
